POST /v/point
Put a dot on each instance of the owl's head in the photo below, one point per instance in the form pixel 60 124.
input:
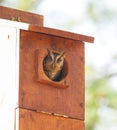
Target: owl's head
pixel 53 64
pixel 55 60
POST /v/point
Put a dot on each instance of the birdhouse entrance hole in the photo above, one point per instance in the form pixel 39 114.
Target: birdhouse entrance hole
pixel 55 66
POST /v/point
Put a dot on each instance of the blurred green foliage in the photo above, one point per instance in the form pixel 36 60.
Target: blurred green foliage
pixel 26 5
pixel 98 93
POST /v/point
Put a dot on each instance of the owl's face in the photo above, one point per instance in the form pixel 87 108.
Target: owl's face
pixel 53 63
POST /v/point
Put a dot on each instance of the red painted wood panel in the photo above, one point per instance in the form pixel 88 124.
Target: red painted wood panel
pixel 30 120
pixel 45 97
pixel 26 17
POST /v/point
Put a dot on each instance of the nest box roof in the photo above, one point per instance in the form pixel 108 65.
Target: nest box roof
pixel 61 33
pixel 34 22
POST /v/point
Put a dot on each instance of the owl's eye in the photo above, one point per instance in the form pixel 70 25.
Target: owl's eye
pixel 50 58
pixel 59 59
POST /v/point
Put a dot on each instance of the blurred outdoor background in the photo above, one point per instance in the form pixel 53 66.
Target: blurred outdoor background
pixel 96 18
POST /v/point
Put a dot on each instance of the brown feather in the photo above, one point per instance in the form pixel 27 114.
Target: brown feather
pixel 53 64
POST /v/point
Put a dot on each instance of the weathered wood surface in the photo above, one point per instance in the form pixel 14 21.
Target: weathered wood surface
pixel 44 97
pixel 26 17
pixel 31 120
pixel 62 33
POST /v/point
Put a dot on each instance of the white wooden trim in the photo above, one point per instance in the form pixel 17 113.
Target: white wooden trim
pixel 15 24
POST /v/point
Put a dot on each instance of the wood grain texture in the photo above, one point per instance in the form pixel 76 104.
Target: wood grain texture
pixel 31 120
pixel 42 78
pixel 26 17
pixel 62 33
pixel 43 97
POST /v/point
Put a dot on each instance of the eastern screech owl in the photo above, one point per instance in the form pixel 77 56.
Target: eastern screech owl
pixel 53 64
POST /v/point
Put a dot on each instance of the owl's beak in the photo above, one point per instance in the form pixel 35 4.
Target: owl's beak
pixel 53 65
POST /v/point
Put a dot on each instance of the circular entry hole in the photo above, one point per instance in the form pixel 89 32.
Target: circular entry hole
pixel 55 69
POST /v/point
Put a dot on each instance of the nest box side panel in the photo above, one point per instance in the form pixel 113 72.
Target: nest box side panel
pixel 37 91
pixel 31 120
pixel 8 76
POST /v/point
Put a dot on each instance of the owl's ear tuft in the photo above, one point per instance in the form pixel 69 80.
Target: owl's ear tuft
pixel 50 53
pixel 62 54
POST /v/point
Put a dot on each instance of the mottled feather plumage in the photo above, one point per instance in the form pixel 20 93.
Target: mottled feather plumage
pixel 53 64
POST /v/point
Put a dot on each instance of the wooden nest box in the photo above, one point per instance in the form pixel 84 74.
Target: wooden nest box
pixel 42 74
